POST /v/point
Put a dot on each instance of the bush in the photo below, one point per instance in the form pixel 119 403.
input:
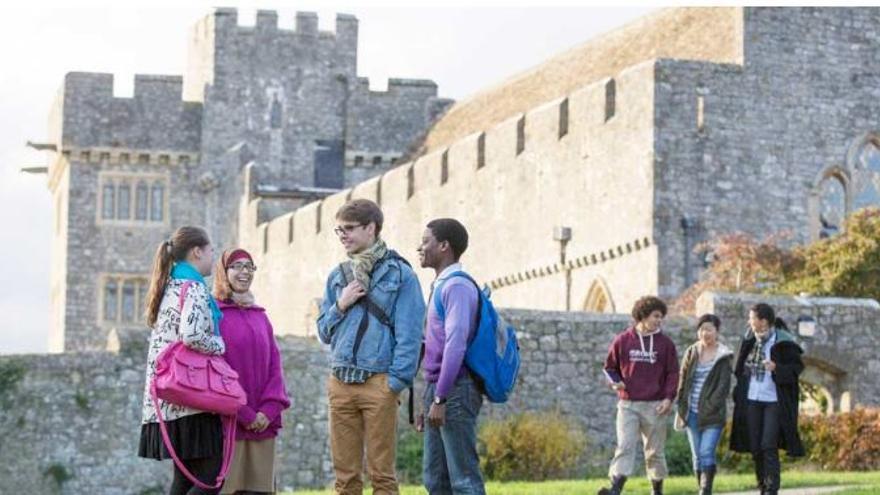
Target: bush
pixel 843 442
pixel 729 460
pixel 410 446
pixel 678 454
pixel 838 442
pixel 530 446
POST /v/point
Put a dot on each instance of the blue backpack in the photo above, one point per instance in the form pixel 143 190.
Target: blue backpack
pixel 492 355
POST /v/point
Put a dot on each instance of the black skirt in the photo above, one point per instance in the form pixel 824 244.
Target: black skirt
pixel 197 436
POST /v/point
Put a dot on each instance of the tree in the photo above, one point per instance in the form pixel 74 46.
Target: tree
pixel 845 265
pixel 739 264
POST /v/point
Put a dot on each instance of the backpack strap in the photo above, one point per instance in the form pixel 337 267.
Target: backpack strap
pixel 438 301
pixel 441 313
pixel 370 306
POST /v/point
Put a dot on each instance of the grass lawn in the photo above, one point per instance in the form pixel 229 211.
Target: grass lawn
pixel 673 486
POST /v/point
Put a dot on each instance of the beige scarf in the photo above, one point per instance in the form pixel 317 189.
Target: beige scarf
pixel 362 262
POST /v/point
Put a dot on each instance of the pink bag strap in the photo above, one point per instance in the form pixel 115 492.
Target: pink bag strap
pixel 183 290
pixel 228 445
pixel 228 427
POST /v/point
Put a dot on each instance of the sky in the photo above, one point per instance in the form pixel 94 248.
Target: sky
pixel 462 48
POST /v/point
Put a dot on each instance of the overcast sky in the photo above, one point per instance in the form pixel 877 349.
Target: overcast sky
pixel 463 49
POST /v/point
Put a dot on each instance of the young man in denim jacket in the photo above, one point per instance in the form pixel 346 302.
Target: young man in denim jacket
pixel 371 316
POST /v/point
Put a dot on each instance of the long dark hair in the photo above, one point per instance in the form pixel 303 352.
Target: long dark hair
pixel 170 250
pixel 765 312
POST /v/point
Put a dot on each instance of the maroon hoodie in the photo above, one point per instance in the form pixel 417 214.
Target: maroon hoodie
pixel 646 364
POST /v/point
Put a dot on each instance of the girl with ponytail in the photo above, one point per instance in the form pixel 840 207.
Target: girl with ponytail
pixel 180 307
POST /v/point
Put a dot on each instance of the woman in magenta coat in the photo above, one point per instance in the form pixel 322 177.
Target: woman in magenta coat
pixel 251 350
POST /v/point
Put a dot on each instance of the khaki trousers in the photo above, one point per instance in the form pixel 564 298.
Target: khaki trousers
pixel 639 419
pixel 363 415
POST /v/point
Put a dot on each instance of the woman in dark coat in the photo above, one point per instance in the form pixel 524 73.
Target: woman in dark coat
pixel 765 412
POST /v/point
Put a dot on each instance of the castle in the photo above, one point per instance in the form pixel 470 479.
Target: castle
pixel 585 182
pixel 127 171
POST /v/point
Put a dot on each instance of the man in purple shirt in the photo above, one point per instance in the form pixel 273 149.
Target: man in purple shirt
pixel 450 463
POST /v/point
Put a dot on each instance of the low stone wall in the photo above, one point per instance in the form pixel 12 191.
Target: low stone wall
pixel 69 422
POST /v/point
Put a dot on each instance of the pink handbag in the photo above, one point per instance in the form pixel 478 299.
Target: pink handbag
pixel 200 381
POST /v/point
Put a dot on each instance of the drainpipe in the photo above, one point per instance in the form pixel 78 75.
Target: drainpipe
pixel 687 226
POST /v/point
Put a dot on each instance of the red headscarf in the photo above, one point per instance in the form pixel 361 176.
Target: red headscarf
pixel 236 255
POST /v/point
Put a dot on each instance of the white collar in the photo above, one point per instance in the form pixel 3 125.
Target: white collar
pixel 449 270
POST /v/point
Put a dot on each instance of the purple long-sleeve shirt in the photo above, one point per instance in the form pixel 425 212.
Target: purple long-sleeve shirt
pixel 252 352
pixel 446 340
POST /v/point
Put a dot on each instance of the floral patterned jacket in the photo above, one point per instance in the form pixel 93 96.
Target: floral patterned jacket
pixel 193 325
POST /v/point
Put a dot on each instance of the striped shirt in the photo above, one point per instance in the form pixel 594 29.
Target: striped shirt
pixel 352 375
pixel 700 374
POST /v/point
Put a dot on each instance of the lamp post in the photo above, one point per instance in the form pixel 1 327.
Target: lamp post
pixel 806 327
pixel 563 235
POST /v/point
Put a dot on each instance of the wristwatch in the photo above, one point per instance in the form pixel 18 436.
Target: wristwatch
pixel 439 401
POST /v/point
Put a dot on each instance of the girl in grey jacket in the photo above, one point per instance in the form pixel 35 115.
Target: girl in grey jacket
pixel 703 388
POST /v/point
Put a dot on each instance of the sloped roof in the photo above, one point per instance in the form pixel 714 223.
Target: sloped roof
pixel 710 34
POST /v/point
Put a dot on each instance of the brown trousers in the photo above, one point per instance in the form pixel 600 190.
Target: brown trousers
pixel 363 414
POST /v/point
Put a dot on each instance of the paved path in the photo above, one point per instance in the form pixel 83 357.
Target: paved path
pixel 798 491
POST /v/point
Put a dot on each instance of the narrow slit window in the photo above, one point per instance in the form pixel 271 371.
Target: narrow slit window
pixel 157 203
pixel 521 135
pixel 141 201
pixel 124 205
pixel 108 201
pixel 444 168
pixel 110 300
pixel 128 298
pixel 563 118
pixel 481 150
pixel 610 99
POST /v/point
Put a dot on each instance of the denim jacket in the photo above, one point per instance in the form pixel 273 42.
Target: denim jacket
pixel 396 289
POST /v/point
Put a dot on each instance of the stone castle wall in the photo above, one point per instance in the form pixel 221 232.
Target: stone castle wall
pixel 77 414
pixel 745 147
pixel 569 163
pixel 688 151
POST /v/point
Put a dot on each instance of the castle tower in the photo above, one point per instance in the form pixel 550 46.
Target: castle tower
pixel 128 171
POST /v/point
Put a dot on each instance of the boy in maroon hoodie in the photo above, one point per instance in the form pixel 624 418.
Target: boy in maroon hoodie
pixel 642 366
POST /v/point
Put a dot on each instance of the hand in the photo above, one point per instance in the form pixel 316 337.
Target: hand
pixel 437 415
pixel 420 422
pixel 664 407
pixel 259 424
pixel 769 365
pixel 618 386
pixel 350 295
pixel 243 298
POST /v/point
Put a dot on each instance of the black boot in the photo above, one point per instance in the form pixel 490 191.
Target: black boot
pixel 707 481
pixel 656 487
pixel 617 483
pixel 699 476
pixel 759 472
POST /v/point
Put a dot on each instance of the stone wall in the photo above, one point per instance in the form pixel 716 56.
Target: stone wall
pixel 840 357
pixel 77 414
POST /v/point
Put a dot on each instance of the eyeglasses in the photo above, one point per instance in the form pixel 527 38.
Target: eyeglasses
pixel 243 266
pixel 347 229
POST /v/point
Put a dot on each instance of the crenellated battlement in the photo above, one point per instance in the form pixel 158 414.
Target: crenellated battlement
pixel 154 117
pixel 226 22
pixel 518 170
